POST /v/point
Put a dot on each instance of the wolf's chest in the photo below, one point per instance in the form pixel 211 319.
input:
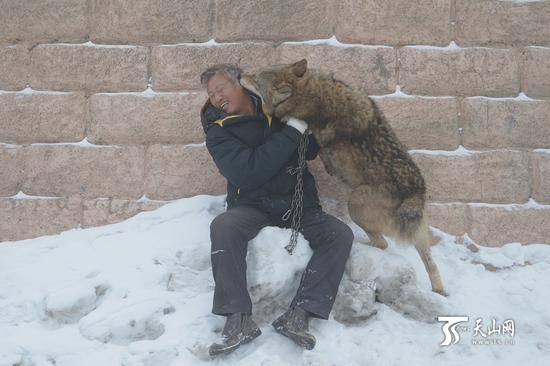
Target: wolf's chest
pixel 350 164
pixel 342 162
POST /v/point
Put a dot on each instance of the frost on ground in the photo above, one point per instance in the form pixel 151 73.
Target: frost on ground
pixel 140 293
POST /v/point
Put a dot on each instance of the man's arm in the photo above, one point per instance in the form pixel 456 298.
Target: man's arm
pixel 312 145
pixel 246 167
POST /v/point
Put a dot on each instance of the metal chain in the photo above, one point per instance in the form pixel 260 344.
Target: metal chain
pixel 297 199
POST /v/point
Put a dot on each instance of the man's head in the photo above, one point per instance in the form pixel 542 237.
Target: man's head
pixel 221 82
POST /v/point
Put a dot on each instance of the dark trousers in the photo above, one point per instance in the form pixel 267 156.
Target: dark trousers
pixel 329 238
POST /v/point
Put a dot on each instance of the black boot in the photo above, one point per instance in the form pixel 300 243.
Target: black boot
pixel 294 324
pixel 239 329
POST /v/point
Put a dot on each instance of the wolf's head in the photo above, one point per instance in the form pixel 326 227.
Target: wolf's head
pixel 282 89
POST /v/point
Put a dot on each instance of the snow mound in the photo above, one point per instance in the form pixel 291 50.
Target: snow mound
pixel 70 304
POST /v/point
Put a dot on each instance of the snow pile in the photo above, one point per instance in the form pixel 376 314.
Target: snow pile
pixel 140 293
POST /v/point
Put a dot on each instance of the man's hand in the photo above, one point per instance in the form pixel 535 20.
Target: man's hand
pixel 298 124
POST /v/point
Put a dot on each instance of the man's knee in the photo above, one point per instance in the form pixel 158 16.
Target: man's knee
pixel 340 233
pixel 221 223
pixel 346 234
pixel 222 228
pixel 229 228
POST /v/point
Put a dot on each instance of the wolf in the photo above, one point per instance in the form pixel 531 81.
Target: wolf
pixel 388 191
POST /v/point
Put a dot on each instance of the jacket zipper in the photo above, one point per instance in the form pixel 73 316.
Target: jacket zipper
pixel 235 198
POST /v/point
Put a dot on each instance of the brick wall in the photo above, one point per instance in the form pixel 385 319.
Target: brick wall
pixel 99 102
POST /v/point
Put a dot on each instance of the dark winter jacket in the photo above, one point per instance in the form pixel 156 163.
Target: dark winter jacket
pixel 253 152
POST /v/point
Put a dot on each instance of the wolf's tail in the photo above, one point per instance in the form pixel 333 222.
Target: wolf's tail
pixel 409 216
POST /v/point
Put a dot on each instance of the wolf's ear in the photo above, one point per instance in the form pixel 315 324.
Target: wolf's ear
pixel 299 68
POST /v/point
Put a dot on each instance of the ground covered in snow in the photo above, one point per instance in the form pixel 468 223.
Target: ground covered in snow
pixel 140 293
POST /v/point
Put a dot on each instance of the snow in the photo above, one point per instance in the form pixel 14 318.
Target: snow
pixel 452 46
pixel 145 199
pixel 522 97
pixel 85 143
pixel 333 41
pixel 82 143
pixel 22 196
pixel 541 47
pixel 91 44
pixel 398 94
pixel 209 43
pixel 202 144
pixel 29 90
pixel 147 93
pixel 140 292
pixel 459 151
pixel 462 151
pixel 530 204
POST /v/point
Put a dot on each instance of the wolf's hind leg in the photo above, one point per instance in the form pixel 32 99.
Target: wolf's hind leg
pixel 422 245
pixel 370 207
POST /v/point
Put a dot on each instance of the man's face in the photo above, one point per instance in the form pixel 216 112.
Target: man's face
pixel 225 94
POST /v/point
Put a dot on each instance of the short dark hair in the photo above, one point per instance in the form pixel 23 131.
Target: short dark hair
pixel 232 71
